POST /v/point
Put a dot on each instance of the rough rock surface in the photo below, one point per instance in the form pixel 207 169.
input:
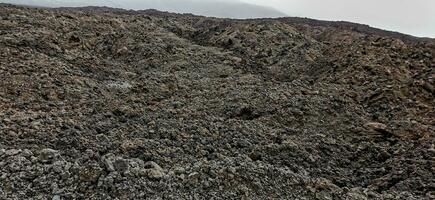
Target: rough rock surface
pixel 98 103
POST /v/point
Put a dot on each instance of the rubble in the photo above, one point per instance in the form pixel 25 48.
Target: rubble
pixel 100 103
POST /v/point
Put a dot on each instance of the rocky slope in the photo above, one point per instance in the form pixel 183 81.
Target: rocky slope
pixel 98 103
pixel 212 8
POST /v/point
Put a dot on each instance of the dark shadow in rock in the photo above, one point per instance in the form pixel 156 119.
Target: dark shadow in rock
pixel 246 114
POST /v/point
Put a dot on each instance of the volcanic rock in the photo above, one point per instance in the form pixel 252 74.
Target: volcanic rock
pixel 102 103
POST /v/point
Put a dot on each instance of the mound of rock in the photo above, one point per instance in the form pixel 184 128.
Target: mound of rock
pixel 100 103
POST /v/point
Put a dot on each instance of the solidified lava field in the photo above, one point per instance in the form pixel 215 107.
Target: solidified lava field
pixel 101 103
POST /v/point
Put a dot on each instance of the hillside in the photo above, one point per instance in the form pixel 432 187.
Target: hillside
pixel 212 8
pixel 101 103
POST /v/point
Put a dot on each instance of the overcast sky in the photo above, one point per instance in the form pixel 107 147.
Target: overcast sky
pixel 416 17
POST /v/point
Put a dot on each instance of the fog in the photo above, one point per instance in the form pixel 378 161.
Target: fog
pixel 213 8
pixel 415 17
